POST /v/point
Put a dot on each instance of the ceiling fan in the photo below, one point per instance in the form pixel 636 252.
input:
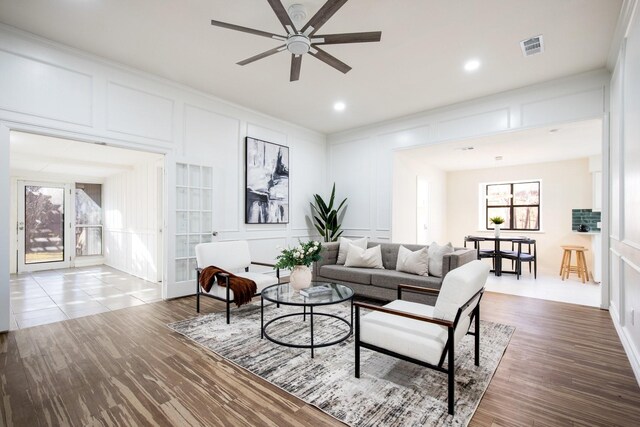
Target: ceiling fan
pixel 300 42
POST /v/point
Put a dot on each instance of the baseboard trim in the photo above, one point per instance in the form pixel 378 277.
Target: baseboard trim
pixel 629 348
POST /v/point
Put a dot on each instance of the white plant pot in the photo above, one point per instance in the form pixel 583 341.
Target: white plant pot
pixel 496 230
pixel 300 277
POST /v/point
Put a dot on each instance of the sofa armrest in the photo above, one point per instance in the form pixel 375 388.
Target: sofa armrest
pixel 329 256
pixel 456 259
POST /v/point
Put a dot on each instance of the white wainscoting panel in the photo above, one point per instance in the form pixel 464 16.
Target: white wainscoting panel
pixel 462 127
pixel 631 146
pixel 43 90
pixel 134 112
pixel 581 105
pixel 214 141
pixel 308 175
pixel 351 171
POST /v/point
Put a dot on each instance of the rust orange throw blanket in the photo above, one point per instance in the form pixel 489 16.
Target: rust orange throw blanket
pixel 243 289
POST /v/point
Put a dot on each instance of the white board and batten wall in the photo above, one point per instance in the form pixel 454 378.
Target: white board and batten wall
pixel 54 90
pixel 624 159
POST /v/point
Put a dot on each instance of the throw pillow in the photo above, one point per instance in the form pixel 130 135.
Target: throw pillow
pixel 413 262
pixel 436 254
pixel 344 247
pixel 358 257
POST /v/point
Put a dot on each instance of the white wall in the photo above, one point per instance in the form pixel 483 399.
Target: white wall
pixel 361 160
pixel 406 170
pixel 54 90
pixel 565 185
pixel 131 221
pixel 5 308
pixel 624 191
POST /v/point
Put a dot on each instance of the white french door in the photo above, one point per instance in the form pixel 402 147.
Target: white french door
pixel 45 238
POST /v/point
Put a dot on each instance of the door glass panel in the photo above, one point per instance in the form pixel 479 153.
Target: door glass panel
pixel 44 224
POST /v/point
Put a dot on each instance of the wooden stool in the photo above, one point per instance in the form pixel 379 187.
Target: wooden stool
pixel 581 263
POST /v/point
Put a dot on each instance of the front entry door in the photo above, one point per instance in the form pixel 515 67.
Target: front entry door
pixel 43 226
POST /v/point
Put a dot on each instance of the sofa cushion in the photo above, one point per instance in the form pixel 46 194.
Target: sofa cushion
pixel 390 252
pixel 347 274
pixel 368 258
pixel 344 247
pixel 436 256
pixel 391 279
pixel 413 338
pixel 413 262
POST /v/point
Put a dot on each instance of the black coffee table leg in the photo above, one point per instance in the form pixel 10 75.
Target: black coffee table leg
pixel 311 318
pixel 261 317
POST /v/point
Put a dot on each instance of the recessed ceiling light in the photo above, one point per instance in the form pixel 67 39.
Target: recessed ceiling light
pixel 339 106
pixel 471 65
pixel 465 148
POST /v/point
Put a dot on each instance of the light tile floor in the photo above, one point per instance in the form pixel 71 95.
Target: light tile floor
pixel 548 286
pixel 50 296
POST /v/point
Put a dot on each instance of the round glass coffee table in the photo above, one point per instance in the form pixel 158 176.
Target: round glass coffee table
pixel 284 294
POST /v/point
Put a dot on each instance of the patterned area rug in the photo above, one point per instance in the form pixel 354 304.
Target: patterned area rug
pixel 390 392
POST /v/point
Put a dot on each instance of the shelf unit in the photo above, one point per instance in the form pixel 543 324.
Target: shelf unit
pixel 194 215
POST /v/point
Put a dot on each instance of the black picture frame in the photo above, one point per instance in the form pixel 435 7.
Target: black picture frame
pixel 266 178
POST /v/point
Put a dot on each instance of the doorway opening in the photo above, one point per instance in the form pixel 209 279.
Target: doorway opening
pixel 546 183
pixel 86 228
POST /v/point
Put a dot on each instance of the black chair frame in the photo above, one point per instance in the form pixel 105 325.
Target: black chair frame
pixel 226 278
pixel 517 256
pixel 449 348
pixel 482 254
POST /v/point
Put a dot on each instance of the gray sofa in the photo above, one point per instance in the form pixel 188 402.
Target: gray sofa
pixel 383 284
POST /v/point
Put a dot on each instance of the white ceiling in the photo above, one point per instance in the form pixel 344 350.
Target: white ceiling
pixel 568 141
pixel 417 66
pixel 44 154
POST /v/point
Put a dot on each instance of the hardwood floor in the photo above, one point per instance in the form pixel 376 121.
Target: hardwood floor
pixel 564 367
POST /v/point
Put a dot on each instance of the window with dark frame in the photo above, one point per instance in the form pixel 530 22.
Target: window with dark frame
pixel 517 202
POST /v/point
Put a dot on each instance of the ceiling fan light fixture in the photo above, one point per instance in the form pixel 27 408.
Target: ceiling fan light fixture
pixel 298 44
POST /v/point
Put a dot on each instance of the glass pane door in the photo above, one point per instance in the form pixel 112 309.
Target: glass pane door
pixel 44 224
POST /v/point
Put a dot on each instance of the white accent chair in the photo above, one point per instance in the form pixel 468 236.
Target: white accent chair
pixel 424 334
pixel 234 257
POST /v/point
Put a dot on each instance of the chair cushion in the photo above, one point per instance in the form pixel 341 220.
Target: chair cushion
pixel 390 279
pixel 232 256
pixel 347 274
pixel 413 338
pixel 458 287
pixel 262 281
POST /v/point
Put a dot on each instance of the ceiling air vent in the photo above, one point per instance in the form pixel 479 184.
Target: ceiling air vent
pixel 532 46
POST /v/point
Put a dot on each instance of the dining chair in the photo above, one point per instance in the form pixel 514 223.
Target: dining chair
pixel 482 253
pixel 519 256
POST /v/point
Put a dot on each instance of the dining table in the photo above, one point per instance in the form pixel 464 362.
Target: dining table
pixel 497 254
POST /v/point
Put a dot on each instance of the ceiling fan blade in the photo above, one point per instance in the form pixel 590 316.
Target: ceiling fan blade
pixel 322 16
pixel 329 60
pixel 296 62
pixel 371 36
pixel 247 30
pixel 262 55
pixel 283 16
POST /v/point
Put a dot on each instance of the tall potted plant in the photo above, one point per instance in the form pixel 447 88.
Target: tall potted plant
pixel 326 219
